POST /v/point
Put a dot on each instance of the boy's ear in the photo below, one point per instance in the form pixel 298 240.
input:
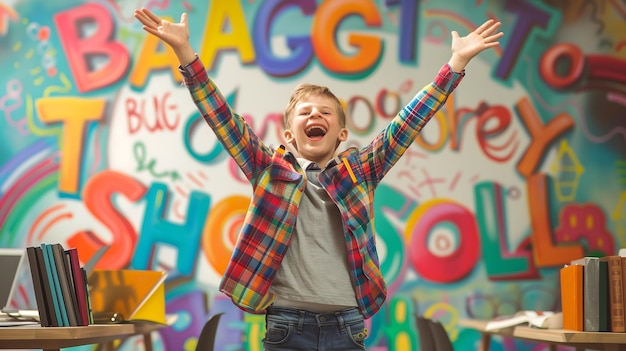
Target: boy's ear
pixel 288 134
pixel 343 135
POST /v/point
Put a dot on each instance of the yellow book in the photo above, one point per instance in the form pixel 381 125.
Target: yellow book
pixel 138 295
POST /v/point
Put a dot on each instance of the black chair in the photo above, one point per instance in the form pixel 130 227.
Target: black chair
pixel 440 335
pixel 206 341
pixel 425 334
pixel 432 335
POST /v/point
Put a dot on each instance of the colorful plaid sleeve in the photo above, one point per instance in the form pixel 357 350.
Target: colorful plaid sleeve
pixel 389 145
pixel 231 129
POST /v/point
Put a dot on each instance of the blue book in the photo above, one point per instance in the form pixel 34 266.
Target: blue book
pixel 49 266
pixel 56 287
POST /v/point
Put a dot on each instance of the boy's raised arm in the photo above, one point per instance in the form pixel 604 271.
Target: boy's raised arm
pixel 465 48
pixel 176 35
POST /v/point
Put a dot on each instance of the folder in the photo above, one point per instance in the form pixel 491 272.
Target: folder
pixel 138 295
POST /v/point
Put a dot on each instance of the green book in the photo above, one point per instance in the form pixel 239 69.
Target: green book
pixel 603 300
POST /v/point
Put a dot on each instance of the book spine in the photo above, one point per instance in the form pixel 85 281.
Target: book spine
pixel 79 286
pixel 38 287
pixel 604 298
pixel 52 279
pixel 71 283
pixel 65 284
pixel 591 292
pixel 572 297
pixel 623 272
pixel 89 308
pixel 616 294
pixel 52 318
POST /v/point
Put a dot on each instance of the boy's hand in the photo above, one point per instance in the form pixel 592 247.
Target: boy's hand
pixel 465 48
pixel 176 35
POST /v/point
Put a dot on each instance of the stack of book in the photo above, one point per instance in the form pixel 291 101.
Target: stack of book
pixel 60 284
pixel 593 294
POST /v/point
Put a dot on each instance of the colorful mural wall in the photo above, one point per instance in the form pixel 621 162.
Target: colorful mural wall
pixel 521 172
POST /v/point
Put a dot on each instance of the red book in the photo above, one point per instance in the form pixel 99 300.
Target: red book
pixel 79 286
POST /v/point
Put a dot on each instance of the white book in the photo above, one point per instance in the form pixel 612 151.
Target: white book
pixel 537 319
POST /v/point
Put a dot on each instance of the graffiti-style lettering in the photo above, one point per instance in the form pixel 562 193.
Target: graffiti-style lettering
pixel 140 153
pixel 564 66
pixel 542 135
pixel 153 59
pixel 190 307
pixel 226 30
pixel 184 237
pixel 75 113
pixel 81 49
pixel 214 155
pixel 139 116
pixel 302 52
pixel 450 254
pixel 325 30
pixel 566 53
pixel 409 22
pixel 97 196
pixel 390 205
pixel 585 222
pixel 546 253
pixel 351 123
pixel 491 217
pixel 221 230
pixel 493 121
pixel 530 16
pixel 400 329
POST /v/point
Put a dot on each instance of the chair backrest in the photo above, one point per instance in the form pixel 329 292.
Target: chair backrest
pixel 425 334
pixel 206 341
pixel 440 336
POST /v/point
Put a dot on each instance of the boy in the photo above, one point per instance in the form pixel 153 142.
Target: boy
pixel 306 255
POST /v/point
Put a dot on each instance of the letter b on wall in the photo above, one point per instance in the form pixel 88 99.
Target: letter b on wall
pixel 96 60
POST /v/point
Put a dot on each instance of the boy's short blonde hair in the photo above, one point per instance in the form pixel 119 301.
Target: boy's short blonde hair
pixel 302 91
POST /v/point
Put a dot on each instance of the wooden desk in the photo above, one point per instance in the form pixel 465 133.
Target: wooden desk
pixel 554 337
pixel 55 338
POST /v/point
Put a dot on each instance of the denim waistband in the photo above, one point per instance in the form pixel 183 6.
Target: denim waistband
pixel 320 319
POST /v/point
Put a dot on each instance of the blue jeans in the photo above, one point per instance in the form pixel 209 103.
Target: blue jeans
pixel 293 329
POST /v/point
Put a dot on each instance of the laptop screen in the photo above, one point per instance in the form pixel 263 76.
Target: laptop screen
pixel 11 261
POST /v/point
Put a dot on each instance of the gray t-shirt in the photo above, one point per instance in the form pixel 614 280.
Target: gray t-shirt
pixel 314 274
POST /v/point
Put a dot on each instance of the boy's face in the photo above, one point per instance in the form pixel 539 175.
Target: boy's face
pixel 314 129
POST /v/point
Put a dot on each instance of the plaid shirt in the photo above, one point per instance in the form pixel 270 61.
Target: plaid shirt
pixel 278 183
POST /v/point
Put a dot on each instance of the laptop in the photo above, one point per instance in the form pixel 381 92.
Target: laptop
pixel 13 263
pixel 17 295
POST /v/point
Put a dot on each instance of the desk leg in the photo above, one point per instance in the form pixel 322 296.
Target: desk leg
pixel 104 346
pixel 147 340
pixel 485 340
pixel 108 346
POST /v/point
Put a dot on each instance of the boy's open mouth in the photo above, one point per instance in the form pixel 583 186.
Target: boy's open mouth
pixel 315 131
